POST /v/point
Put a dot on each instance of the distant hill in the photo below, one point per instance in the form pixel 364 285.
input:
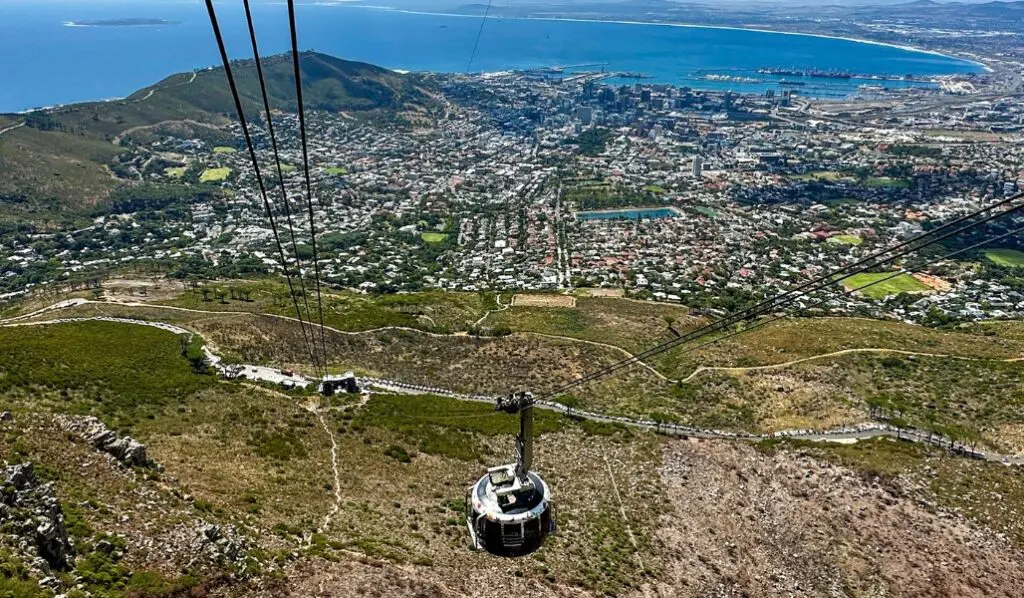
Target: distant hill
pixel 328 83
pixel 56 162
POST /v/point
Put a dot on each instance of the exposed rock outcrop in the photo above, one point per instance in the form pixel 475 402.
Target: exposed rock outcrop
pixel 31 513
pixel 126 449
pixel 219 544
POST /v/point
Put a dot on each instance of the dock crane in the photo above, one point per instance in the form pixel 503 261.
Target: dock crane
pixel 509 511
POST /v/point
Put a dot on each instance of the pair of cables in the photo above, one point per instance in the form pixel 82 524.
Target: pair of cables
pixel 318 355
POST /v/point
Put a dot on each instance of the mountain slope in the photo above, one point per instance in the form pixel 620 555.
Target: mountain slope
pixel 57 160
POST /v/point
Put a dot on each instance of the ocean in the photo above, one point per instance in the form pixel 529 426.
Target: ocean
pixel 46 61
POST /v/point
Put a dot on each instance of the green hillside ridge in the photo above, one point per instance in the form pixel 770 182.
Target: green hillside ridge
pixel 58 162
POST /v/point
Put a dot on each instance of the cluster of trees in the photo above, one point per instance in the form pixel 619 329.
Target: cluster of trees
pixel 192 350
pixel 604 198
pixel 222 295
pixel 916 151
pixel 592 141
pixel 153 196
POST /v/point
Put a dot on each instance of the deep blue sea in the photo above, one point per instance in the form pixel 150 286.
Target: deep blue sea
pixel 44 62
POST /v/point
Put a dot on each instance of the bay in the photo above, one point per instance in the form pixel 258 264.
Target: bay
pixel 45 61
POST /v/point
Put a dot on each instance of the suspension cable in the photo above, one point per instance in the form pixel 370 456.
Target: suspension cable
pixel 305 167
pixel 252 156
pixel 280 176
pixel 872 261
pixel 479 33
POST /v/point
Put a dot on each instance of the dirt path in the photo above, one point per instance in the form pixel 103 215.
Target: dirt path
pixel 336 486
pixel 654 371
pixel 778 366
pixel 311 407
pixel 622 512
pixel 120 136
pixel 626 353
pixel 501 307
pixel 12 127
pixel 860 432
pixel 156 89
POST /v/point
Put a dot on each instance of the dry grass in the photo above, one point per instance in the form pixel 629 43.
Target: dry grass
pixel 789 524
pixel 521 300
pixel 789 340
pixel 631 325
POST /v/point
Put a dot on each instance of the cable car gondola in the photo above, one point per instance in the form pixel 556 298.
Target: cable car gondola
pixel 509 511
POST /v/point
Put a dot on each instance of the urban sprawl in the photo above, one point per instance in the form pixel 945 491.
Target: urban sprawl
pixel 550 182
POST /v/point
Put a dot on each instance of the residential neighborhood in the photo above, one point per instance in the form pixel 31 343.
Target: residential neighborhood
pixel 542 182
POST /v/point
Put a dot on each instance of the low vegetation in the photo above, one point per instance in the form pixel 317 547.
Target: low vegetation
pixel 991 494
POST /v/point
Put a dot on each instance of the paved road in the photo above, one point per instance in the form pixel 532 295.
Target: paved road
pixel 250 372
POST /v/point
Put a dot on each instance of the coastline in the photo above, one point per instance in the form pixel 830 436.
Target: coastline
pixel 982 65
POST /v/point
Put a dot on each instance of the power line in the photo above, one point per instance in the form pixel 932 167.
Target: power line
pixel 305 167
pixel 280 174
pixel 479 33
pixel 252 156
pixel 872 261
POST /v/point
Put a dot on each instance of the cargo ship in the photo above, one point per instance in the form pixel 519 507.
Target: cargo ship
pixel 816 73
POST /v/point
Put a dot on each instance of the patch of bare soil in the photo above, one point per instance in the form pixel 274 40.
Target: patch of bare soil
pixel 742 523
pixel 543 301
pixel 141 289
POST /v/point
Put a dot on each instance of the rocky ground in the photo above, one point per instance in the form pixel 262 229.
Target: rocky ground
pixel 743 523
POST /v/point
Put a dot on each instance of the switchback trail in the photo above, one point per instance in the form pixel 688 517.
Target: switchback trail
pixel 501 307
pixel 778 366
pixel 653 370
pixel 862 431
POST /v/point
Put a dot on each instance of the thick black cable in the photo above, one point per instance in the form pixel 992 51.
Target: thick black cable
pixel 851 291
pixel 305 167
pixel 252 155
pixel 280 173
pixel 479 33
pixel 871 261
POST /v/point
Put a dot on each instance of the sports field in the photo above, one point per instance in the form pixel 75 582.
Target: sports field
pixel 1006 257
pixel 214 175
pixel 846 240
pixel 904 283
pixel 543 301
pixel 433 237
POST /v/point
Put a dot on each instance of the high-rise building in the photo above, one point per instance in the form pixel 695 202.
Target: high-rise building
pixel 585 114
pixel 698 166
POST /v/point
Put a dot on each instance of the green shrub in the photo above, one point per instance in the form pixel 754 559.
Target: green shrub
pixel 398 453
